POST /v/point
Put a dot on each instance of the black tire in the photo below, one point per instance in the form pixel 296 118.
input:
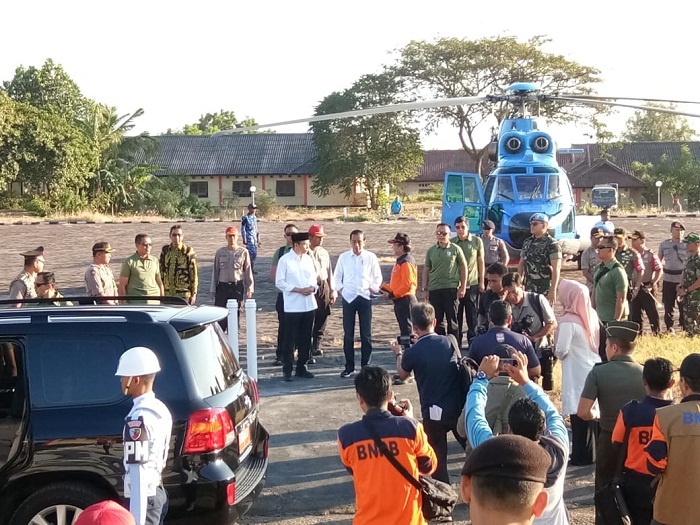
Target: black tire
pixel 73 496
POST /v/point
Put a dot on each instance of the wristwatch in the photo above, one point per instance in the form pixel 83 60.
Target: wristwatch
pixel 481 375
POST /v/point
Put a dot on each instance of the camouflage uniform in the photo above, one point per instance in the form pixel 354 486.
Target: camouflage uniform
pixel 691 300
pixel 537 255
pixel 178 269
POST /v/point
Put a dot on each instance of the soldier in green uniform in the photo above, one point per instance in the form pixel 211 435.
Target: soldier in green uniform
pixel 178 267
pixel 22 286
pixel 540 259
pixel 689 289
pixel 630 261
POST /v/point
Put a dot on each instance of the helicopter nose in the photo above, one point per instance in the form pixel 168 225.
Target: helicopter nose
pixel 529 157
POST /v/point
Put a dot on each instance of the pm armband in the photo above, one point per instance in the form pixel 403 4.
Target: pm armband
pixel 136 442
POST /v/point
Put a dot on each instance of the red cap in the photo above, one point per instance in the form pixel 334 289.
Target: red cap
pixel 105 513
pixel 317 230
pixel 231 230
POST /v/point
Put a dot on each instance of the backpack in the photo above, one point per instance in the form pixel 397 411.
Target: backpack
pixel 466 366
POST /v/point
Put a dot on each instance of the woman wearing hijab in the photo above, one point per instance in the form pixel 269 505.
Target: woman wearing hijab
pixel 576 346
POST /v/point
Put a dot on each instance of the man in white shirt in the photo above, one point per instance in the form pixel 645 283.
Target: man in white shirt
pixel 296 279
pixel 357 276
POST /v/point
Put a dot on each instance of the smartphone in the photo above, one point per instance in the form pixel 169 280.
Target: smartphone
pixel 507 361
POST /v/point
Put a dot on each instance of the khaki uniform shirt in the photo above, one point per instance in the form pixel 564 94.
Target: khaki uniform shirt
pixel 22 287
pixel 99 281
pixel 322 261
pixel 590 261
pixel 232 266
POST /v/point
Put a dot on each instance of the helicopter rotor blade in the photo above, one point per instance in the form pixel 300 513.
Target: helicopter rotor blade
pixel 661 100
pixel 392 108
pixel 618 104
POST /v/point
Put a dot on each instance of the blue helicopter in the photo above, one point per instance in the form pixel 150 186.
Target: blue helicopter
pixel 526 180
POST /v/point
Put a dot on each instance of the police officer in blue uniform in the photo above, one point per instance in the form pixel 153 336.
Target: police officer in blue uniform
pixel 146 437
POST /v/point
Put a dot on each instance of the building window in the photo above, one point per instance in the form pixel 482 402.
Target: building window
pixel 285 188
pixel 241 188
pixel 200 189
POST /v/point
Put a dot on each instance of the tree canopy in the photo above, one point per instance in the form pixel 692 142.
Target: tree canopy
pixel 374 150
pixel 653 126
pixel 215 122
pixel 679 175
pixel 458 67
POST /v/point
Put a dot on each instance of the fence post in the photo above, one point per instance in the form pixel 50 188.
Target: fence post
pixel 251 338
pixel 232 305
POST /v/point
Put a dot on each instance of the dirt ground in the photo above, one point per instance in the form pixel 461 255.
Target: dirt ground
pixel 306 481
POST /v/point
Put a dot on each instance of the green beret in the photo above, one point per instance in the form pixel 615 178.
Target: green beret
pixel 691 237
pixel 509 456
pixel 625 330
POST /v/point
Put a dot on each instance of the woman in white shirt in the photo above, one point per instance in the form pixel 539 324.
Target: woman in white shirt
pixel 576 346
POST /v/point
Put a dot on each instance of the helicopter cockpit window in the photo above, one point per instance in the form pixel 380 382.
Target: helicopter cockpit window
pixel 471 191
pixel 553 190
pixel 504 190
pixel 454 189
pixel 530 187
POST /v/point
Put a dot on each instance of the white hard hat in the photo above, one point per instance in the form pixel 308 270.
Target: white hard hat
pixel 137 361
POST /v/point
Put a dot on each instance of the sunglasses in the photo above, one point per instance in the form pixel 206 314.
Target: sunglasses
pixel 442 234
pixel 604 248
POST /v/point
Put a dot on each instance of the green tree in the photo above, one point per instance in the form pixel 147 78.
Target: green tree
pixel 373 150
pixel 678 175
pixel 653 126
pixel 49 88
pixel 214 122
pixel 454 67
pixel 45 153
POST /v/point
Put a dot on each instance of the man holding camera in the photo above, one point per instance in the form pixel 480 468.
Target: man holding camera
pixel 534 417
pixel 382 494
pixel 533 317
pixel 434 362
pixel 500 341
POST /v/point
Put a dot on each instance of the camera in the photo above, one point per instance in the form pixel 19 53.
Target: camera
pixel 481 330
pixel 396 408
pixel 547 360
pixel 406 340
pixel 507 361
pixel 522 326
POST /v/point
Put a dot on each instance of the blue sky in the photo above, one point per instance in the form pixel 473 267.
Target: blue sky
pixel 276 60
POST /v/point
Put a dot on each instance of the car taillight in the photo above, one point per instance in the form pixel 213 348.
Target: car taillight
pixel 255 391
pixel 208 430
pixel 231 493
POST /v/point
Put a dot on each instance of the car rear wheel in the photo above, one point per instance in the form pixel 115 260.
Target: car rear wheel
pixel 56 504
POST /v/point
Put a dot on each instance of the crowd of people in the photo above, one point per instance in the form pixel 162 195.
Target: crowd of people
pixel 621 414
pixel 466 302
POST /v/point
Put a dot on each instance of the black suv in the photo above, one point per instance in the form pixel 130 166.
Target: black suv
pixel 62 412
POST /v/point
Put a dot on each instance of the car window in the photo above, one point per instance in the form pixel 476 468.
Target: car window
pixel 12 400
pixel 211 360
pixel 72 370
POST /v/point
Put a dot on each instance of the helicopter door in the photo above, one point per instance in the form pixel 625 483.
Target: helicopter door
pixel 463 195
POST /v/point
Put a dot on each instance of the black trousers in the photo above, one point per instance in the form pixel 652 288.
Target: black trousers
pixel 603 341
pixel 644 302
pixel 446 306
pixel 402 312
pixel 583 440
pixel 469 309
pixel 363 308
pixel 668 297
pixel 437 431
pixel 639 497
pixel 226 291
pixel 323 300
pixel 297 333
